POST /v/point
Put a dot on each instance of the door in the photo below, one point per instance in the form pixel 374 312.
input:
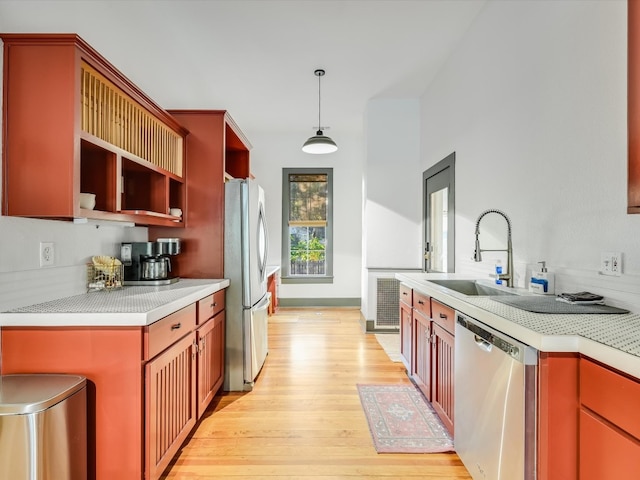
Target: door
pixel 210 349
pixel 170 404
pixel 422 369
pixel 442 351
pixel 439 216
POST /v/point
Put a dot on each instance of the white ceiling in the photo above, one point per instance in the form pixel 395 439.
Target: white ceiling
pixel 256 58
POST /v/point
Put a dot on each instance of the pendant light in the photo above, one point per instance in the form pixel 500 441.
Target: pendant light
pixel 319 143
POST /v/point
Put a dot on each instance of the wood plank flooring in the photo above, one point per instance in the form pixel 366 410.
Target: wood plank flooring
pixel 303 419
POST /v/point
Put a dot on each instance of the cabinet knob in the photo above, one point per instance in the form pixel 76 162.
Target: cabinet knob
pixel 420 302
pixel 443 315
pixel 176 326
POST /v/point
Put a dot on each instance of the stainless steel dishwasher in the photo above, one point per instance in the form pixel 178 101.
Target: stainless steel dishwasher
pixel 495 402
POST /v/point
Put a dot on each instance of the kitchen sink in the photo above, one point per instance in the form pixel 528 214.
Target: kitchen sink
pixel 472 287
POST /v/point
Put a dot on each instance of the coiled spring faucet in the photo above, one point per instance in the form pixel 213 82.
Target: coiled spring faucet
pixel 477 256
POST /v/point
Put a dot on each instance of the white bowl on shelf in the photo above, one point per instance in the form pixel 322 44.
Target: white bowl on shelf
pixel 87 201
pixel 176 212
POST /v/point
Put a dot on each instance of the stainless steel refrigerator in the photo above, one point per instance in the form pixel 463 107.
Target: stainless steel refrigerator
pixel 245 265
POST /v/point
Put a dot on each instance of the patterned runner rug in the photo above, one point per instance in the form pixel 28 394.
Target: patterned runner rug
pixel 402 421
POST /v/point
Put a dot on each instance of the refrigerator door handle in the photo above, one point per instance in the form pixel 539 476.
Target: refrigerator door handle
pixel 263 243
pixel 264 303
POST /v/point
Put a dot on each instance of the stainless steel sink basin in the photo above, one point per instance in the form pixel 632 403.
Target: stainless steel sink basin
pixel 471 287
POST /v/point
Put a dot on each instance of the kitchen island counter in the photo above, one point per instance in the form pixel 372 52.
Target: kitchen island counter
pixel 128 306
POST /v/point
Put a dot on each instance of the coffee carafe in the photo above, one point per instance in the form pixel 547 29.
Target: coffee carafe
pixel 149 263
pixel 155 268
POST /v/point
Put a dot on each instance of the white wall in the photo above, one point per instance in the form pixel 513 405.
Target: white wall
pixel 533 102
pixel 393 188
pixel 392 203
pixel 24 282
pixel 274 151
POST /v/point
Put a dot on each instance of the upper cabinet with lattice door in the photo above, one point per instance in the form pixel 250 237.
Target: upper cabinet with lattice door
pixel 72 124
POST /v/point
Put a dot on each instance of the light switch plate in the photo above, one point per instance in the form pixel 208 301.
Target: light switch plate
pixel 611 263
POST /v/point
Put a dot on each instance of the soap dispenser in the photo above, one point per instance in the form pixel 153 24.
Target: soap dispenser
pixel 542 281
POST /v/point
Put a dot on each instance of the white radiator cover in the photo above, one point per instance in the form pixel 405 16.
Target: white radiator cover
pixel 383 308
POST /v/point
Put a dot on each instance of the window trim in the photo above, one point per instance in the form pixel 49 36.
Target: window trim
pixel 285 276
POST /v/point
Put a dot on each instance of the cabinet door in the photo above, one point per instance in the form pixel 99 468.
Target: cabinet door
pixel 170 404
pixel 606 451
pixel 442 375
pixel 422 342
pixel 405 334
pixel 210 339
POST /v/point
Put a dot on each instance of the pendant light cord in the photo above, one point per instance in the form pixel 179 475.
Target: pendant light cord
pixel 319 124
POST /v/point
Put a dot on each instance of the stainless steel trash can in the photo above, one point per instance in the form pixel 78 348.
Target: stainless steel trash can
pixel 43 427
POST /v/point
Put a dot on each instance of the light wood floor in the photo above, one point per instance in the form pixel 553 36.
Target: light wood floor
pixel 303 419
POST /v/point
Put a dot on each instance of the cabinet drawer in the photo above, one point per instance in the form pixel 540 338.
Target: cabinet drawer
pixel 606 452
pixel 163 333
pixel 406 294
pixel 611 395
pixel 443 315
pixel 210 306
pixel 422 304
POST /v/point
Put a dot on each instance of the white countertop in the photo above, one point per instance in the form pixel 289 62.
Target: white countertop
pixel 613 339
pixel 271 269
pixel 128 306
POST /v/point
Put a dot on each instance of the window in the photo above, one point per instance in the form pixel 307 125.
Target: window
pixel 307 225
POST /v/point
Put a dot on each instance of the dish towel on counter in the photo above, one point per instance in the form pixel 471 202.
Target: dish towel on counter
pixel 581 298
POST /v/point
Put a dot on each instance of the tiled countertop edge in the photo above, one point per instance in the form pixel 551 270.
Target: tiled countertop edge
pixel 193 291
pixel 574 343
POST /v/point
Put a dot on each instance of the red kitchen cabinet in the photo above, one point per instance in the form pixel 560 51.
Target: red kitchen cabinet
pixel 421 372
pixel 609 423
pixel 210 342
pixel 605 450
pixel 442 374
pixel 143 382
pixel 170 404
pixel 442 362
pixel 558 406
pixel 427 344
pixel 216 149
pixel 406 325
pixel 73 123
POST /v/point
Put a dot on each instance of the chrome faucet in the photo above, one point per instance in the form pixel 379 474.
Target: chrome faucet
pixel 477 256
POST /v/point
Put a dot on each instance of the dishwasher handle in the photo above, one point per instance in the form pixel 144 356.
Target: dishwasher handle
pixel 487 338
pixel 483 344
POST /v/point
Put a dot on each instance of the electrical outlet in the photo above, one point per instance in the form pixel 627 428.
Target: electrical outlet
pixel 47 254
pixel 611 263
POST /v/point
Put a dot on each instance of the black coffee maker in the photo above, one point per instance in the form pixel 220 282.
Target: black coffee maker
pixel 149 263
